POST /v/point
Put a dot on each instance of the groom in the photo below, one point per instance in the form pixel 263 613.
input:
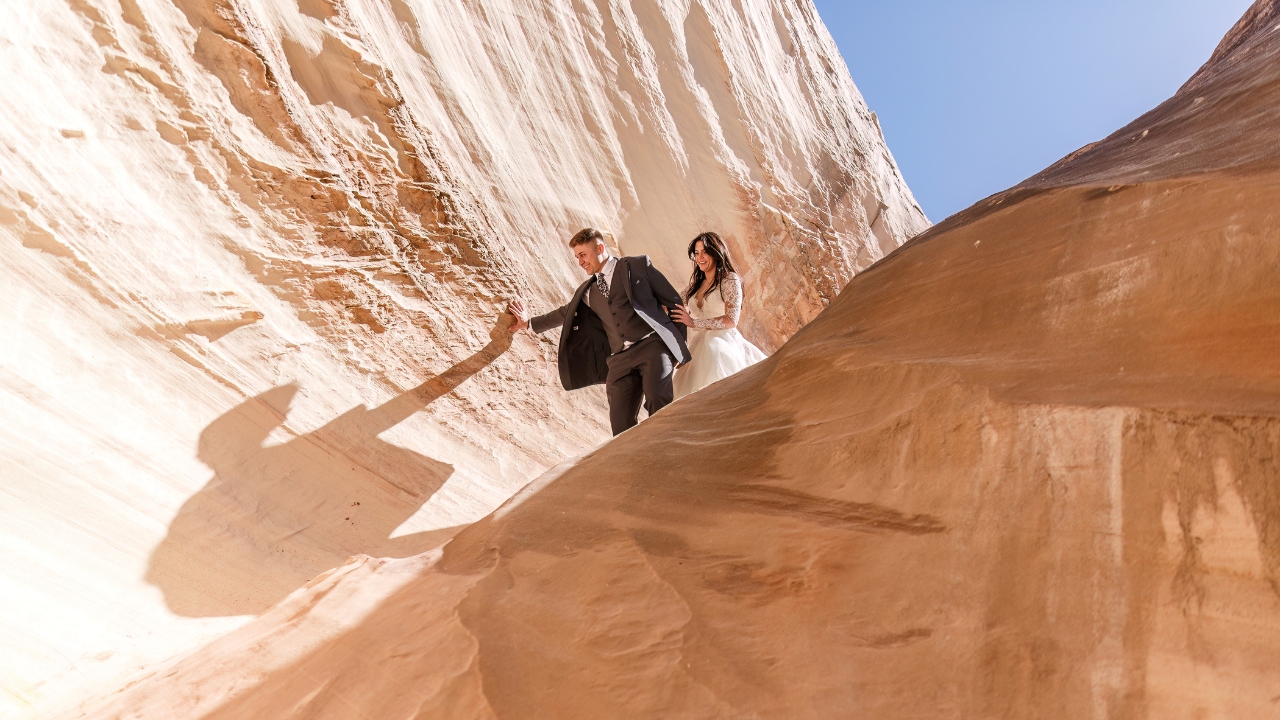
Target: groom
pixel 616 331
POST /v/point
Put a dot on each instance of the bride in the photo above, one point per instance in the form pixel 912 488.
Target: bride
pixel 713 305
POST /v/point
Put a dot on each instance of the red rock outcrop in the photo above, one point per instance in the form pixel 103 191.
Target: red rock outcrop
pixel 1028 466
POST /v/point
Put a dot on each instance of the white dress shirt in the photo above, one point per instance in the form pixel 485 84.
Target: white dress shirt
pixel 609 266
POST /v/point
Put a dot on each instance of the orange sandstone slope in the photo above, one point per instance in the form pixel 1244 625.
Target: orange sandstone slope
pixel 1026 467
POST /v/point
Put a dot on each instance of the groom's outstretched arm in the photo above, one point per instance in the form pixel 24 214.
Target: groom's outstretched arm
pixel 662 289
pixel 539 324
pixel 553 319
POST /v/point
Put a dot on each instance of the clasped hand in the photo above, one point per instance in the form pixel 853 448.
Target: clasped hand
pixel 680 314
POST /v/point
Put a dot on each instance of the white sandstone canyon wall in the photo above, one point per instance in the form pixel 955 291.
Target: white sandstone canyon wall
pixel 253 252
pixel 1027 467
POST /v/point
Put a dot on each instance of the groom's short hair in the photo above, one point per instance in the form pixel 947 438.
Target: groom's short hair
pixel 586 235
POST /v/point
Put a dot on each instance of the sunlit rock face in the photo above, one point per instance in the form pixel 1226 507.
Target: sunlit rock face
pixel 1026 467
pixel 253 253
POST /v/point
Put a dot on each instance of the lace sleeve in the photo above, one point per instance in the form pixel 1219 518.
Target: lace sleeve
pixel 731 291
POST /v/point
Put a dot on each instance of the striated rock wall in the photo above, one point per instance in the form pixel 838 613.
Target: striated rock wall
pixel 253 252
pixel 1026 467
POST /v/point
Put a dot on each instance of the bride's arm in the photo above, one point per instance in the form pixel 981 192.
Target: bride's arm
pixel 731 291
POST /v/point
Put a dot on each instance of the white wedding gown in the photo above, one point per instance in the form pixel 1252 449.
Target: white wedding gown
pixel 716 352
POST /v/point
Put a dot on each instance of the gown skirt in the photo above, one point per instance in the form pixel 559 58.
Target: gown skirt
pixel 714 355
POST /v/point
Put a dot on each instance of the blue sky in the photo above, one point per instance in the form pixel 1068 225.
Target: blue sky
pixel 976 96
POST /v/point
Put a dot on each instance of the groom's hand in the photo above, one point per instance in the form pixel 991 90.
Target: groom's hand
pixel 516 308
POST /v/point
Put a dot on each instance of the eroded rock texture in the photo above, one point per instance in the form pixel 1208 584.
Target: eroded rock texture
pixel 253 252
pixel 1026 467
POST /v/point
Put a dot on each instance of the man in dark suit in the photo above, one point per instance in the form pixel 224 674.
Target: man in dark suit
pixel 616 330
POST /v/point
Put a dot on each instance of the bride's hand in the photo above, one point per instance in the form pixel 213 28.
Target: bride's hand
pixel 681 315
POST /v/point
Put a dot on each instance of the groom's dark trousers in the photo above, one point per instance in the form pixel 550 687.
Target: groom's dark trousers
pixel 625 340
pixel 644 370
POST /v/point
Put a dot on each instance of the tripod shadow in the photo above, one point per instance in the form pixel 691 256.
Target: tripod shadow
pixel 274 517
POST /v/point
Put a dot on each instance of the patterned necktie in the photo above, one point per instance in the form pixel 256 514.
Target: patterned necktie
pixel 602 285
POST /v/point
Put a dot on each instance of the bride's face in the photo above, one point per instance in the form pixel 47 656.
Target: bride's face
pixel 706 263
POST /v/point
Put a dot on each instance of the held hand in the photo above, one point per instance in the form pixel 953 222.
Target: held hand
pixel 516 308
pixel 681 315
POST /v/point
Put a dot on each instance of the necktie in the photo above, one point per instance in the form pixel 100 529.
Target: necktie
pixel 602 285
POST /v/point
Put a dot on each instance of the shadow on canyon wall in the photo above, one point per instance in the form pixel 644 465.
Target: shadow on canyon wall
pixel 275 516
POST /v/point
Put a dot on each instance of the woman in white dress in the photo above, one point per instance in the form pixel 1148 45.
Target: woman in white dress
pixel 712 306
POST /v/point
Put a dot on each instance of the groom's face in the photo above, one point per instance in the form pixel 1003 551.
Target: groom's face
pixel 591 256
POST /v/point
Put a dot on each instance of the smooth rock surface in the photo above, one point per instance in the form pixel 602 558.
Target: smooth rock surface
pixel 1026 467
pixel 253 251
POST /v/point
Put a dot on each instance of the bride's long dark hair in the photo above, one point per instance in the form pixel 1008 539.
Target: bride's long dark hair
pixel 719 252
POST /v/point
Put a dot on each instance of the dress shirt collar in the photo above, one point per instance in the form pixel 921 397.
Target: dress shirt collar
pixel 607 271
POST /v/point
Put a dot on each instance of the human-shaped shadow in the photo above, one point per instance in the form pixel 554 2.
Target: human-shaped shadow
pixel 274 517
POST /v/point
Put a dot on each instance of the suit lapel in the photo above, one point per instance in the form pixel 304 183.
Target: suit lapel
pixel 567 327
pixel 582 290
pixel 624 269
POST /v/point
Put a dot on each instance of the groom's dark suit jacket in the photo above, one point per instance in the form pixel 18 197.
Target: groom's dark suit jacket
pixel 584 345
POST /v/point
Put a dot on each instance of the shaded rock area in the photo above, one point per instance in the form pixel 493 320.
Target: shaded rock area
pixel 252 253
pixel 1028 466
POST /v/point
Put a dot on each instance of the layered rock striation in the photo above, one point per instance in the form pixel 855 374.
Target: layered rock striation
pixel 1024 467
pixel 252 254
